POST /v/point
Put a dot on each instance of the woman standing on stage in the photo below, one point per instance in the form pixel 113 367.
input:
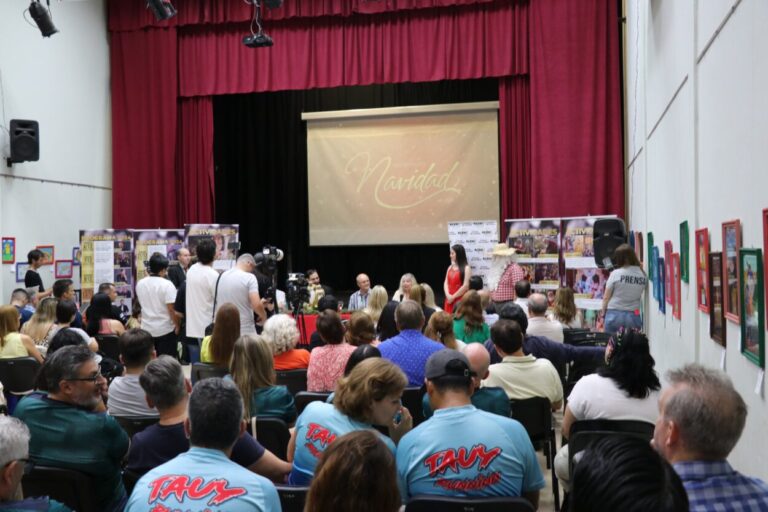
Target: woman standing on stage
pixel 456 278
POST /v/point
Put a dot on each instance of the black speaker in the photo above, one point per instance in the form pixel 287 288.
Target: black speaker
pixel 607 235
pixel 25 141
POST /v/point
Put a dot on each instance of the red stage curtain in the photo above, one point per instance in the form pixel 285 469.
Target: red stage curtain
pixel 195 161
pixel 416 46
pixel 576 135
pixel 515 147
pixel 144 96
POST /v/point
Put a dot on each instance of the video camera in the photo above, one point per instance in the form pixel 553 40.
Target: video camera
pixel 270 255
pixel 296 291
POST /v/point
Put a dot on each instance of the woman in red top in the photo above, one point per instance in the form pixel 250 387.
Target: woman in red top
pixel 456 278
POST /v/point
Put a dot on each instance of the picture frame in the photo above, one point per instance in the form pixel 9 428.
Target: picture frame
pixel 717 330
pixel 731 246
pixel 676 279
pixel 21 270
pixel 702 269
pixel 652 263
pixel 9 250
pixel 48 253
pixel 765 248
pixel 639 246
pixel 62 269
pixel 752 305
pixel 654 270
pixel 668 271
pixel 76 256
pixel 662 288
pixel 684 245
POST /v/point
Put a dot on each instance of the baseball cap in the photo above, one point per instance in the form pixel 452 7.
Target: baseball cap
pixel 447 362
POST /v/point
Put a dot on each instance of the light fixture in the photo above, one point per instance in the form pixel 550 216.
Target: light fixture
pixel 42 18
pixel 163 10
pixel 257 39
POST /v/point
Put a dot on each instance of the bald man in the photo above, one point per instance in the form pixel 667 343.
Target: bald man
pixel 177 273
pixel 359 299
pixel 490 399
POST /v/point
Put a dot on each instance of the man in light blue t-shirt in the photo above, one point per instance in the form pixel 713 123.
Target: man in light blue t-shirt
pixel 204 478
pixel 461 450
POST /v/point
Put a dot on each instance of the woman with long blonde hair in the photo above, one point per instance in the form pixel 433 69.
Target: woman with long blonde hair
pixel 376 303
pixel 12 342
pixel 440 329
pixel 429 299
pixel 564 309
pixel 253 371
pixel 406 281
pixel 40 327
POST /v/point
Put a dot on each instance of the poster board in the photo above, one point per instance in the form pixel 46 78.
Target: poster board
pixel 537 242
pixel 107 257
pixel 149 241
pixel 580 270
pixel 478 238
pixel 225 236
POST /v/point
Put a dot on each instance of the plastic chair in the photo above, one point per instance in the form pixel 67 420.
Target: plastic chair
pixel 304 398
pixel 292 498
pixel 294 380
pixel 135 424
pixel 73 488
pixel 535 414
pixel 202 371
pixel 18 374
pixel 584 432
pixel 272 434
pixel 428 503
pixel 108 345
pixel 412 397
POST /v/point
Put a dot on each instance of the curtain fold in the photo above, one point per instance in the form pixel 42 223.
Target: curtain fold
pixel 515 147
pixel 194 161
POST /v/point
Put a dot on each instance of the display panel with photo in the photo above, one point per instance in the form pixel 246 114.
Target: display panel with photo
pixel 716 307
pixel 752 305
pixel 731 246
pixel 702 265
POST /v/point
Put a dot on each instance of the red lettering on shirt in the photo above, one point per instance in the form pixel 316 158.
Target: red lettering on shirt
pixel 317 432
pixel 181 487
pixel 479 482
pixel 440 462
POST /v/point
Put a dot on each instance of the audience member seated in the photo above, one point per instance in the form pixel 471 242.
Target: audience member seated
pixel 626 389
pixel 462 451
pixel 559 354
pixel 360 354
pixel 217 348
pixel 369 395
pixel 489 312
pixel 489 398
pixel 12 342
pixel 64 289
pixel 376 303
pixel 120 312
pixel 410 349
pixel 440 329
pixel 100 317
pixel 204 476
pixel 14 455
pixel 41 325
pixel 404 290
pixel 20 300
pixel 429 297
pixel 134 321
pixel 360 330
pixel 359 299
pixel 564 310
pixel 70 427
pixel 281 333
pixel 167 390
pixel 469 324
pixel 521 376
pixel 66 338
pixel 387 327
pixel 357 472
pixel 326 303
pixel 624 473
pixel 65 314
pixel 418 294
pixel 253 372
pixel 522 292
pixel 126 398
pixel 538 323
pixel 326 363
pixel 701 418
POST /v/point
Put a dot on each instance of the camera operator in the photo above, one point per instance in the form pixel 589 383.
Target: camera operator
pixel 239 286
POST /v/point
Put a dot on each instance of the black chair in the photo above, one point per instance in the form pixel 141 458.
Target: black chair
pixel 412 397
pixel 18 374
pixel 584 432
pixel 303 398
pixel 578 369
pixel 569 335
pixel 536 416
pixel 429 503
pixel 129 480
pixel 135 424
pixel 202 371
pixel 294 380
pixel 292 498
pixel 272 434
pixel 108 345
pixel 73 488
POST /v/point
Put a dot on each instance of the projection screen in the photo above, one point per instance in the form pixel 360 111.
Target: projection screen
pixel 399 175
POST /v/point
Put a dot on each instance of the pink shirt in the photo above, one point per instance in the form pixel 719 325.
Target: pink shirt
pixel 326 366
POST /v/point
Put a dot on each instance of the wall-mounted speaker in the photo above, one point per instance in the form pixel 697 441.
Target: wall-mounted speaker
pixel 25 141
pixel 608 234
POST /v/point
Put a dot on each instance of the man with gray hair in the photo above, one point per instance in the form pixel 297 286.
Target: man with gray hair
pixel 70 428
pixel 14 455
pixel 239 286
pixel 410 349
pixel 538 323
pixel 204 477
pixel 701 419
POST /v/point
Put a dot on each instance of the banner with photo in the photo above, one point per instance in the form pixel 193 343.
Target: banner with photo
pixel 581 272
pixel 537 242
pixel 226 237
pixel 107 257
pixel 149 241
pixel 478 238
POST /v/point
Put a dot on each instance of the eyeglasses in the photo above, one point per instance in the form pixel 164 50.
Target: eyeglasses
pixel 93 378
pixel 28 464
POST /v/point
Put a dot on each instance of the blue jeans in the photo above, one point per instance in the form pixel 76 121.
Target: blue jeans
pixel 616 318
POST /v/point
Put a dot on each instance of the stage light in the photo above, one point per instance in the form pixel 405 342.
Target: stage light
pixel 42 18
pixel 162 10
pixel 258 39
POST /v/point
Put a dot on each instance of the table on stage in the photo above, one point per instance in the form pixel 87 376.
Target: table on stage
pixel 310 326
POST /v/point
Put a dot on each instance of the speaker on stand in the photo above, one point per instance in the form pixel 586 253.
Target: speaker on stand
pixel 25 141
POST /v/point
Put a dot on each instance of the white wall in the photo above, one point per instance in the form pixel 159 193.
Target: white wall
pixel 697 125
pixel 63 83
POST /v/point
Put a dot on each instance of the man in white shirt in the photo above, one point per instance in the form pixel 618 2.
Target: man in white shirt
pixel 201 284
pixel 521 376
pixel 240 287
pixel 538 323
pixel 156 295
pixel 359 299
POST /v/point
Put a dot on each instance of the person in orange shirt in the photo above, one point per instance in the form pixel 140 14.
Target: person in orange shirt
pixel 281 333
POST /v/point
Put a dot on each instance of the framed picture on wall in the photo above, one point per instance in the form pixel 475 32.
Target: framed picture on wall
pixel 48 253
pixel 62 269
pixel 676 277
pixel 716 307
pixel 731 246
pixel 652 263
pixel 752 305
pixel 21 271
pixel 702 263
pixel 9 250
pixel 662 288
pixel 654 270
pixel 765 247
pixel 76 255
pixel 668 271
pixel 684 243
pixel 639 245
